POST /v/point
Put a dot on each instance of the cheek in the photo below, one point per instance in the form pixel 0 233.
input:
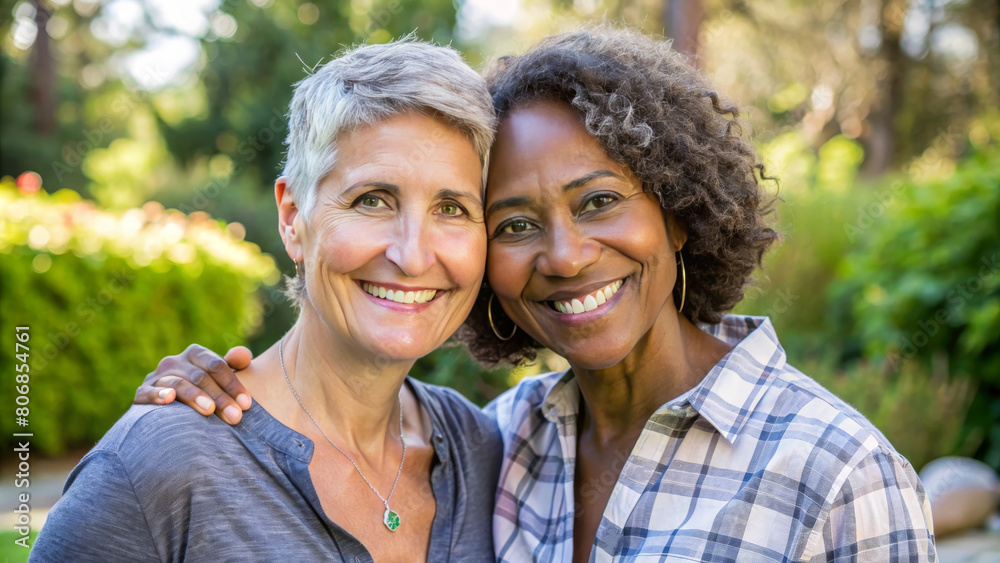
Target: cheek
pixel 343 246
pixel 508 269
pixel 647 239
pixel 463 252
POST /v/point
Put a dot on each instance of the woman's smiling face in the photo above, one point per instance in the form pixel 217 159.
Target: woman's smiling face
pixel 579 256
pixel 394 247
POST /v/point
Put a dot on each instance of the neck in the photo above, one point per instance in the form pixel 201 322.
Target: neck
pixel 672 357
pixel 353 397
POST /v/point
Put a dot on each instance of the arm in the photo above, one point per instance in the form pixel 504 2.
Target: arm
pixel 98 518
pixel 200 379
pixel 881 513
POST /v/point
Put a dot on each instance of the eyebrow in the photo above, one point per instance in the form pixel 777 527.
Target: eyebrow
pixel 587 178
pixel 572 185
pixel 391 188
pixel 457 195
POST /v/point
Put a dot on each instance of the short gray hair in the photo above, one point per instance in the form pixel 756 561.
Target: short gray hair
pixel 370 84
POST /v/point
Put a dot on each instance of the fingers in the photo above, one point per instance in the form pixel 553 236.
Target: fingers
pixel 239 357
pixel 202 380
pixel 187 393
pixel 222 376
pixel 151 395
pixel 206 398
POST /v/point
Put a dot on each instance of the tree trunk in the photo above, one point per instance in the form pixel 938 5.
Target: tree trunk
pixel 880 140
pixel 43 74
pixel 682 22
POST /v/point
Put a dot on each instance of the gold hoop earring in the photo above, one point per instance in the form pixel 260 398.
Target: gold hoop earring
pixel 684 283
pixel 489 314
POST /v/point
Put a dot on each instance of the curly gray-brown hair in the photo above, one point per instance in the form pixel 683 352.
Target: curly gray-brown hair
pixel 654 113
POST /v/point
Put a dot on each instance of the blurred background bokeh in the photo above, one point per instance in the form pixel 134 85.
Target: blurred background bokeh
pixel 141 138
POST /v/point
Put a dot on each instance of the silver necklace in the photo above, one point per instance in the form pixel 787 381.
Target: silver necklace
pixel 391 517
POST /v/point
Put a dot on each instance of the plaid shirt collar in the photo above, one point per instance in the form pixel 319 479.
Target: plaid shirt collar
pixel 725 398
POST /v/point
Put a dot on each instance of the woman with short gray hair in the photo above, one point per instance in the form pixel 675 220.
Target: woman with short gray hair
pixel 341 457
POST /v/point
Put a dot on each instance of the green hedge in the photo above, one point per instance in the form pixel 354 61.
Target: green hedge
pixel 924 287
pixel 887 291
pixel 105 296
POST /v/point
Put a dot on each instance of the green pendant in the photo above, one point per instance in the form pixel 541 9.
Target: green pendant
pixel 391 520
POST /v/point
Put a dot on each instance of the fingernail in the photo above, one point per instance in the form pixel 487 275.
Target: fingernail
pixel 204 402
pixel 231 413
pixel 244 401
pixel 163 393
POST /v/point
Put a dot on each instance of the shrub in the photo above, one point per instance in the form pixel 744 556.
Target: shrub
pixel 925 285
pixel 105 296
pixel 920 413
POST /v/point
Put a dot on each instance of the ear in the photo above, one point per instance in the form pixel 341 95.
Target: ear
pixel 676 231
pixel 288 212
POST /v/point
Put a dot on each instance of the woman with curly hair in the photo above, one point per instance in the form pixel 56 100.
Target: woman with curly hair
pixel 625 216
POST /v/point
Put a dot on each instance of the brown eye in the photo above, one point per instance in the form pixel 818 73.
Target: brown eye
pixel 517 227
pixel 598 202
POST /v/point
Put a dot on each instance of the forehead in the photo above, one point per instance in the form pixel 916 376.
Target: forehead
pixel 410 146
pixel 544 144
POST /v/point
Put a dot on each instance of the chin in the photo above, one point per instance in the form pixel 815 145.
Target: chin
pixel 592 356
pixel 404 351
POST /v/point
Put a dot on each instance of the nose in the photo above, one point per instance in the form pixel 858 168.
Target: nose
pixel 567 252
pixel 410 248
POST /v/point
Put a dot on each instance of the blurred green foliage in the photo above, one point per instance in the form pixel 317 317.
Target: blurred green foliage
pixel 887 291
pixel 922 414
pixel 928 280
pixel 104 294
pixel 925 286
pixel 867 266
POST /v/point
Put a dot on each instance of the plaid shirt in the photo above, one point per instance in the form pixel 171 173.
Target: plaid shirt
pixel 758 462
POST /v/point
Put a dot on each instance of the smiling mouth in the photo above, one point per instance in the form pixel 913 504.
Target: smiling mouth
pixel 588 302
pixel 398 295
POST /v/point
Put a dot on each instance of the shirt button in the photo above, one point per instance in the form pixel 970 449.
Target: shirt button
pixel 439 438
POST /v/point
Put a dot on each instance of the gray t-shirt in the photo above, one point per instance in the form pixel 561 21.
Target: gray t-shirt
pixel 167 484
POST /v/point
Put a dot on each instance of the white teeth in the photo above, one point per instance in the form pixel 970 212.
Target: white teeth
pixel 398 295
pixel 589 302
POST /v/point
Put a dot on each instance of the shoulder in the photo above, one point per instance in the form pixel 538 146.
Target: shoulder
pixel 150 437
pixel 813 413
pixel 877 511
pixel 842 449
